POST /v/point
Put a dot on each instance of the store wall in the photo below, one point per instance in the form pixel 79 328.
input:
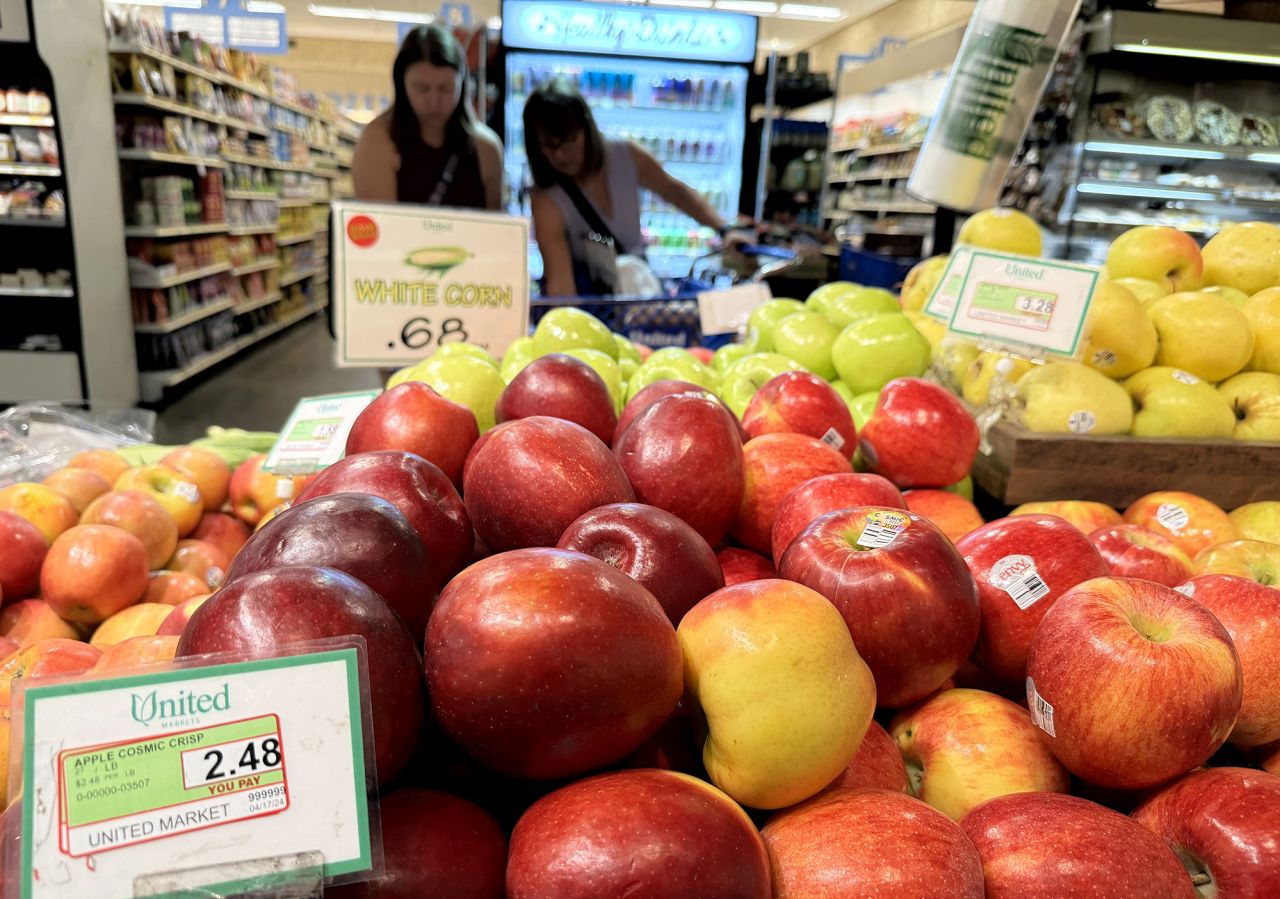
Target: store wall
pixel 343 67
pixel 905 20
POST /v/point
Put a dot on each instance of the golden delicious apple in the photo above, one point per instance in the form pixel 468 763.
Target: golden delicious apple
pixel 921 281
pixel 1066 397
pixel 1119 338
pixel 1236 296
pixel 1157 253
pixel 1254 399
pixel 1004 230
pixel 1244 255
pixel 1263 311
pixel 1258 521
pixel 975 385
pixel 1169 402
pixel 1146 291
pixel 1201 333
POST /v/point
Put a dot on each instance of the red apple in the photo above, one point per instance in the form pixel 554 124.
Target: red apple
pixel 702 354
pixel 532 479
pixel 543 663
pixel 46 508
pixel 223 531
pixel 357 533
pixel 853 844
pixel 954 515
pixel 79 485
pixel 829 493
pixel 176 492
pixel 684 454
pixel 660 390
pixel 1268 758
pixel 1085 516
pixel 7 648
pixel 1131 682
pixel 254 492
pixel 877 766
pixel 1188 520
pixel 478 445
pixel 903 589
pixel 29 621
pixel 204 468
pixel 637 833
pixel 1049 846
pixel 652 547
pixel 108 464
pixel 175 587
pixel 93 571
pixel 421 491
pixel 798 402
pixel 434 844
pixel 176 623
pixel 140 514
pixel 260 612
pixel 414 418
pixel 560 386
pixel 1251 614
pixel 1224 824
pixel 1022 564
pixel 137 652
pixel 22 552
pixel 919 435
pixel 773 466
pixel 202 560
pixel 742 565
pixel 1131 551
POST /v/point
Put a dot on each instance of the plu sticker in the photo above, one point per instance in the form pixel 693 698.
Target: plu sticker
pixel 833 439
pixel 1173 517
pixel 189 492
pixel 438 261
pixel 1185 376
pixel 1081 422
pixel 1188 590
pixel 1017 576
pixel 1041 710
pixel 1105 358
pixel 882 528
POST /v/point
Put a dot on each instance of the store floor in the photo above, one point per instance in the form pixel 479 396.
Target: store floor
pixel 258 389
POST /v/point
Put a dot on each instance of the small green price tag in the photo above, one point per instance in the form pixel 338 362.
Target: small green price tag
pixel 315 436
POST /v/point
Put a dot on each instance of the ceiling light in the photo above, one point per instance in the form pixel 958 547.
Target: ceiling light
pixel 1262 59
pixel 494 23
pixel 175 4
pixel 805 11
pixel 758 7
pixel 1136 191
pixel 688 4
pixel 395 15
pixel 264 6
pixel 366 12
pixel 1268 158
pixel 1151 150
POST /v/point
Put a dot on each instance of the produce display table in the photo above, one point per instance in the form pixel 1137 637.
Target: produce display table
pixel 1025 467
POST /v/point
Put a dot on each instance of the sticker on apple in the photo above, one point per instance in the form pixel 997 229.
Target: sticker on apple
pixel 1188 590
pixel 833 439
pixel 189 492
pixel 1104 358
pixel 1041 710
pixel 1173 517
pixel 1185 376
pixel 1081 422
pixel 882 528
pixel 1017 576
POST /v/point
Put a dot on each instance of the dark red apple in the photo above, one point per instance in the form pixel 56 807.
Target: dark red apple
pixel 919 435
pixel 434 844
pixel 1133 551
pixel 878 765
pixel 829 493
pixel 22 552
pixel 684 454
pixel 479 445
pixel 637 833
pixel 418 489
pixel 742 565
pixel 773 466
pixel 414 418
pixel 1022 564
pixel 360 534
pixel 260 612
pixel 798 402
pixel 660 390
pixel 903 589
pixel 543 663
pixel 560 386
pixel 652 547
pixel 1049 846
pixel 531 479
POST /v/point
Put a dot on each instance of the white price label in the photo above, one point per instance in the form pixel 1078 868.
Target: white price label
pixel 409 279
pixel 1173 517
pixel 1185 377
pixel 315 436
pixel 725 311
pixel 833 439
pixel 189 492
pixel 1041 710
pixel 881 528
pixel 1017 576
pixel 1188 590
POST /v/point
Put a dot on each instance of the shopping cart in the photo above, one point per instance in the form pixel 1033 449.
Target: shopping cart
pixel 672 320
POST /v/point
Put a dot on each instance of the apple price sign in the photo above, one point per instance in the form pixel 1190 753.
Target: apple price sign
pixel 411 279
pixel 315 436
pixel 221 764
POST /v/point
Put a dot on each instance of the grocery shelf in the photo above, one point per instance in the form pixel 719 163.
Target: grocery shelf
pixel 133 154
pixel 295 107
pixel 34 221
pixel 877 149
pixel 251 230
pixel 321 278
pixel 38 292
pixel 1157 191
pixel 250 305
pixel 296 202
pixel 180 65
pixel 250 195
pixel 261 265
pixel 160 103
pixel 175 230
pixel 137 279
pixel 295 277
pixel 870 176
pixel 904 207
pixel 174 324
pixel 286 240
pixel 264 163
pixel 247 126
pixel 1132 221
pixel 259 92
pixel 30 168
pixel 30 121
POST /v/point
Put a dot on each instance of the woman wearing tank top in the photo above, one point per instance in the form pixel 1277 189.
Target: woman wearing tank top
pixel 566 150
pixel 428 147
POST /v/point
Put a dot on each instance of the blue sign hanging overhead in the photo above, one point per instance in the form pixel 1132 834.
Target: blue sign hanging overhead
pixel 227 23
pixel 629 31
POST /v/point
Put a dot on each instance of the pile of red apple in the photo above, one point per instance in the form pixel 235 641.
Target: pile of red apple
pixel 671 654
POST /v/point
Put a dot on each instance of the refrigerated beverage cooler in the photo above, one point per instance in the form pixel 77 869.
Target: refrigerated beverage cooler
pixel 672 80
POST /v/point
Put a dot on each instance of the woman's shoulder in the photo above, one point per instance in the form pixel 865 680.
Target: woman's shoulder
pixel 378 130
pixel 486 141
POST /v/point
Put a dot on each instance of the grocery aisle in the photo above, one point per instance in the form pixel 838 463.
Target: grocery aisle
pixel 258 391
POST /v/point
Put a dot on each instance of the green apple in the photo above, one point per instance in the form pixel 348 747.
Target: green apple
pixel 863 405
pixel 962 487
pixel 628 369
pixel 726 356
pixel 762 319
pixel 517 356
pixel 466 349
pixel 875 350
pixel 566 328
pixel 677 354
pixel 1254 397
pixel 1169 402
pixel 750 373
pixel 671 368
pixel 1239 297
pixel 1066 397
pixel 607 368
pixel 807 337
pixel 821 298
pixel 865 301
pixel 466 380
pixel 627 349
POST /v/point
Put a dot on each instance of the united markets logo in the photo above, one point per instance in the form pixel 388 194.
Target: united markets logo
pixel 181 708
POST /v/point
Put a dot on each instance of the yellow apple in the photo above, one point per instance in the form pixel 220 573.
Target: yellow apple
pixel 1119 338
pixel 1244 255
pixel 956 357
pixel 1254 399
pixel 1229 293
pixel 1146 291
pixel 1258 521
pixel 1256 560
pixel 786 697
pixel 1263 312
pixel 933 329
pixel 1169 402
pixel 1157 253
pixel 975 385
pixel 1204 334
pixel 921 281
pixel 1066 397
pixel 176 492
pixel 963 747
pixel 399 376
pixel 1003 230
pixel 140 620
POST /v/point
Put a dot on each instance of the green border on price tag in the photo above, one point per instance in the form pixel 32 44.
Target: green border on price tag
pixel 349 658
pixel 273 465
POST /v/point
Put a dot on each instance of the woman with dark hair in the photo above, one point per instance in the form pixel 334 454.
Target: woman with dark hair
pixel 428 147
pixel 588 187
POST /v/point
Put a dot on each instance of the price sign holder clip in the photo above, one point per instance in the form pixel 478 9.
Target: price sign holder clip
pixel 297 875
